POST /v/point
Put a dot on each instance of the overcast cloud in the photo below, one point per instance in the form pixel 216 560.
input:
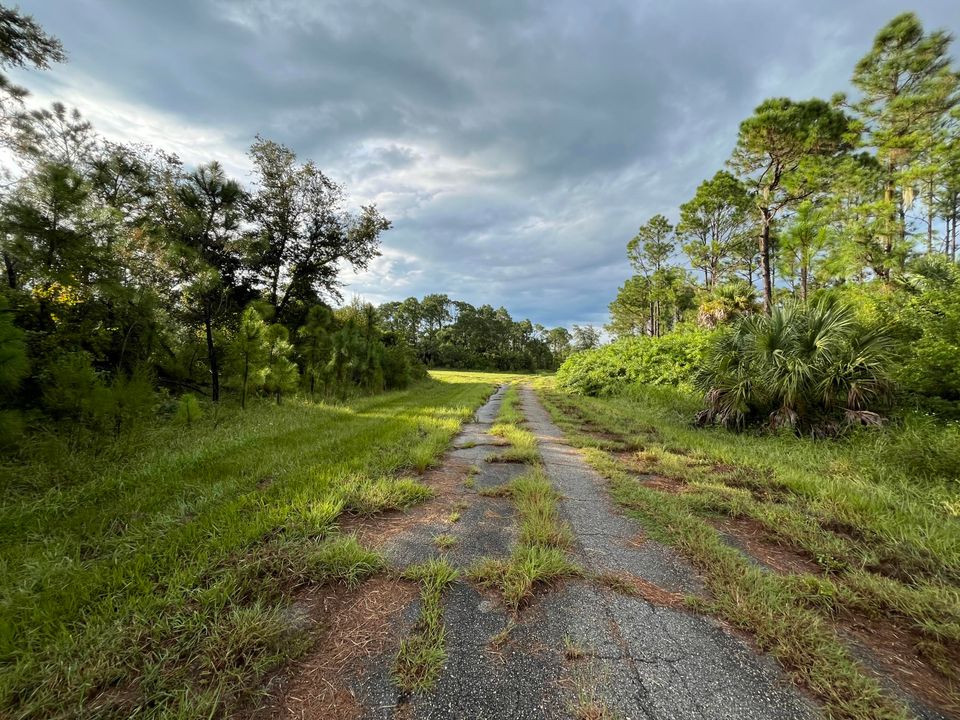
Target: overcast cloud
pixel 515 145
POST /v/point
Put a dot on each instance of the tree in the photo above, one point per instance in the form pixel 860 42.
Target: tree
pixel 302 234
pixel 712 223
pixel 209 259
pixel 648 252
pixel 651 247
pixel 558 340
pixel 249 352
pixel 630 309
pixel 316 344
pixel 907 89
pixel 23 43
pixel 779 156
pixel 585 337
pixel 801 245
pixel 281 372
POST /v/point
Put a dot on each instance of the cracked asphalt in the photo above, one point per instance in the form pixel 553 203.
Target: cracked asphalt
pixel 577 644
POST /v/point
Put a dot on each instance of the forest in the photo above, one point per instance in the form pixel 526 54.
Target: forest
pixel 232 488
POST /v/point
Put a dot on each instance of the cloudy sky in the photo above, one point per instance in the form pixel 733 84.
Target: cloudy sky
pixel 516 145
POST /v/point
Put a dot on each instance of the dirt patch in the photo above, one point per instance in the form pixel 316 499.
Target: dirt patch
pixel 357 624
pixel 894 652
pixel 753 538
pixel 448 495
pixel 838 527
pixel 628 584
pixel 673 486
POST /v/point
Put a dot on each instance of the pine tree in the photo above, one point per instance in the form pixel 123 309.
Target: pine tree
pixel 281 372
pixel 780 156
pixel 907 88
pixel 249 353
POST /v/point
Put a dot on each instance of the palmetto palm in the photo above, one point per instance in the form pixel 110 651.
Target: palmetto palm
pixel 808 367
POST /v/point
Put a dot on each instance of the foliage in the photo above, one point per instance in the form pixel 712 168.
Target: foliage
pixel 810 368
pixel 455 334
pixel 927 314
pixel 188 410
pixel 667 360
pixel 727 302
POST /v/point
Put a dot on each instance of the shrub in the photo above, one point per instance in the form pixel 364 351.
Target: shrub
pixel 667 360
pixel 401 367
pixel 188 410
pixel 930 321
pixel 811 368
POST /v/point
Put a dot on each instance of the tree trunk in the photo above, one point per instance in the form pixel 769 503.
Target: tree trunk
pixel 13 281
pixel 803 283
pixel 211 354
pixel 765 263
pixel 883 272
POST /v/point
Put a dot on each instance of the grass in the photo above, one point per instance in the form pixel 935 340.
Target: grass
pixel 155 576
pixel 420 658
pixel 444 541
pixel 523 443
pixel 885 551
pixel 542 539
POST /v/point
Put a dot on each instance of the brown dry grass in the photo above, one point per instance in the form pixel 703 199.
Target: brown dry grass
pixel 357 624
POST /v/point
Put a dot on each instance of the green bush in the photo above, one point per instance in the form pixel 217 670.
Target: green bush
pixel 401 367
pixel 929 320
pixel 667 360
pixel 188 410
pixel 812 368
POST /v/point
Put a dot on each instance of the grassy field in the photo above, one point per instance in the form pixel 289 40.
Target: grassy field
pixel 862 535
pixel 155 576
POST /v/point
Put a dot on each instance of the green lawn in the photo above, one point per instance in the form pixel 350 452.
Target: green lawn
pixel 874 514
pixel 153 577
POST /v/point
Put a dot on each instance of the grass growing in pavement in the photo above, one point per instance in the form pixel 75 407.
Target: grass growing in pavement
pixel 421 655
pixel 523 443
pixel 444 541
pixel 540 554
pixel 156 577
pixel 882 556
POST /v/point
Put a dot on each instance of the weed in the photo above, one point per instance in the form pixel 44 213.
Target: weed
pixel 527 566
pixel 572 650
pixel 421 655
pixel 499 639
pixel 444 541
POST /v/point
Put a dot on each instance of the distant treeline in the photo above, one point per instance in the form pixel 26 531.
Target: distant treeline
pixel 454 334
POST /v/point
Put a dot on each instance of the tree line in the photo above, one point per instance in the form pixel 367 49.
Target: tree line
pixel 125 271
pixel 817 194
pixel 455 334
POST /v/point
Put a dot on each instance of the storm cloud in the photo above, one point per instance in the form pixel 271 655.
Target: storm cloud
pixel 515 145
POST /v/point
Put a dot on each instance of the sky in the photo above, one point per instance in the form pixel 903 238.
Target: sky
pixel 516 145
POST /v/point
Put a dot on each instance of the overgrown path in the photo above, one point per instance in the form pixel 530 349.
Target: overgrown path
pixel 645 657
pixel 444 637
